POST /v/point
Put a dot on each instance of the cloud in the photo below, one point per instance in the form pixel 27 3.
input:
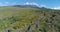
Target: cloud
pixel 56 7
pixel 14 3
pixel 7 3
pixel 4 3
pixel 0 2
pixel 42 5
pixel 34 3
pixel 31 3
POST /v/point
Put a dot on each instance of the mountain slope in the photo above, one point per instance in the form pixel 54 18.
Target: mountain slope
pixel 17 19
pixel 26 6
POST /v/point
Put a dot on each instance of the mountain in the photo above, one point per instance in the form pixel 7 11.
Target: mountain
pixel 26 6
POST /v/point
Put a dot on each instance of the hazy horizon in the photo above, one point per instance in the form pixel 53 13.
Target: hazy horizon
pixel 54 4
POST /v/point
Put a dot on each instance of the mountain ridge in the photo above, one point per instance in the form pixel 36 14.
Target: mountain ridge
pixel 26 6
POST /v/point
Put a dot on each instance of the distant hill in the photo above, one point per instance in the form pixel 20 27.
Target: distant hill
pixel 26 6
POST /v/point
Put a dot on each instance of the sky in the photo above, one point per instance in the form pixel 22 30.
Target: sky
pixel 54 4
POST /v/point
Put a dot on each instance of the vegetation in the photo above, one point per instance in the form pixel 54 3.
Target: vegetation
pixel 18 19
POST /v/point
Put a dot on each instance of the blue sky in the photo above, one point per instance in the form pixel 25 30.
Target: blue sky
pixel 41 3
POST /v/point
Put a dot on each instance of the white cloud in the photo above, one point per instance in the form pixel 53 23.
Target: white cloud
pixel 13 3
pixel 31 3
pixel 42 5
pixel 56 7
pixel 1 3
pixel 6 2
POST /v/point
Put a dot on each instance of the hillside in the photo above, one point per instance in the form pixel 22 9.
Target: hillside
pixel 19 19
